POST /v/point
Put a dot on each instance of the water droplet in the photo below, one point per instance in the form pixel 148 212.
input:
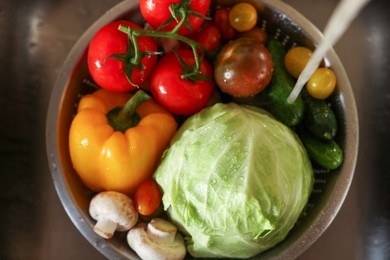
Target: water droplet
pixel 54 166
pixel 100 244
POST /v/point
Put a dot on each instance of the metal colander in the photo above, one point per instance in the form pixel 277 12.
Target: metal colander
pixel 280 21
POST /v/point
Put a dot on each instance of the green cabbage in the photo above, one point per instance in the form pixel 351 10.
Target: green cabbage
pixel 234 180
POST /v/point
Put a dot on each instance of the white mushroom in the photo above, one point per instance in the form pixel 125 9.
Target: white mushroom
pixel 158 239
pixel 113 211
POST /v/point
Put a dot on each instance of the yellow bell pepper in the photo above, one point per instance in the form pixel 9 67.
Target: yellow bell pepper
pixel 116 142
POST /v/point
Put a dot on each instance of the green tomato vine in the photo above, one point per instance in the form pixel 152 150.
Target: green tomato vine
pixel 179 13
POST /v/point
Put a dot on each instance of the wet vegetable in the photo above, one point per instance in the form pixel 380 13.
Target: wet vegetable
pixel 280 88
pixel 327 154
pixel 296 59
pixel 258 34
pixel 243 68
pixel 221 19
pixel 235 180
pixel 116 149
pixel 320 118
pixel 147 197
pixel 208 36
pixel 109 58
pixel 243 17
pixel 170 15
pixel 177 95
pixel 322 83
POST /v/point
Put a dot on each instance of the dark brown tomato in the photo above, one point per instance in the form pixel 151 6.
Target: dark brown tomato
pixel 243 68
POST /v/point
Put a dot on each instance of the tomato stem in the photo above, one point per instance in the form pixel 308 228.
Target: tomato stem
pixel 134 33
pixel 183 16
pixel 197 64
pixel 137 59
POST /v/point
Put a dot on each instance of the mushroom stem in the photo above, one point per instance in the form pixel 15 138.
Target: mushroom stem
pixel 105 227
pixel 158 240
pixel 161 231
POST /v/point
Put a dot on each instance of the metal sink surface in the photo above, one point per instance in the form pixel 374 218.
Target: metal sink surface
pixel 36 37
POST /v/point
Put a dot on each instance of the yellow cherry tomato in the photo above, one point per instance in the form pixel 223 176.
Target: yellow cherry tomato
pixel 322 83
pixel 296 59
pixel 243 17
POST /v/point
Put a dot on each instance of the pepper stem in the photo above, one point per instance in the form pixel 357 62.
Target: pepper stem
pixel 123 118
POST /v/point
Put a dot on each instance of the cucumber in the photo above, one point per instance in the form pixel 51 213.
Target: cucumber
pixel 280 87
pixel 327 154
pixel 319 117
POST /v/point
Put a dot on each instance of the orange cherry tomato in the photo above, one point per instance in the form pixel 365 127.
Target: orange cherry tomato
pixel 322 83
pixel 147 197
pixel 243 17
pixel 296 59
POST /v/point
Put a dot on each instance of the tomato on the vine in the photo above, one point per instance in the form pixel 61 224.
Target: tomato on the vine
pixel 221 19
pixel 157 12
pixel 147 197
pixel 177 95
pixel 208 36
pixel 109 72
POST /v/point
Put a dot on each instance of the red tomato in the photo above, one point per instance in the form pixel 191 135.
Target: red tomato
pixel 147 197
pixel 177 95
pixel 156 13
pixel 221 19
pixel 209 37
pixel 109 73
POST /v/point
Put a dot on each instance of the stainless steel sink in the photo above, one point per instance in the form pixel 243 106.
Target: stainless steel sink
pixel 36 37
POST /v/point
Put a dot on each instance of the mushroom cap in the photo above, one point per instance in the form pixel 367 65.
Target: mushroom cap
pixel 148 248
pixel 114 206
